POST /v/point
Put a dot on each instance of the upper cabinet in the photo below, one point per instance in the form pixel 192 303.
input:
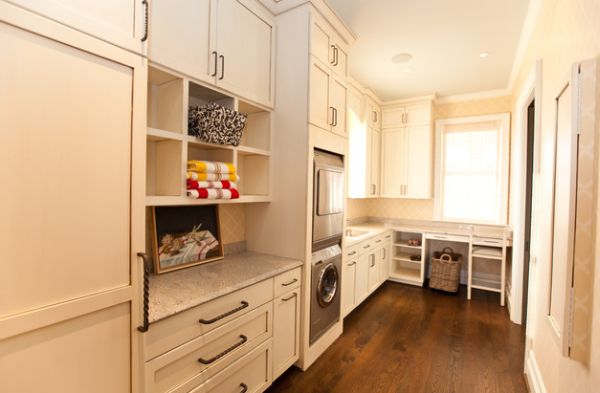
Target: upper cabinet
pixel 121 23
pixel 196 38
pixel 328 47
pixel 407 151
pixel 373 113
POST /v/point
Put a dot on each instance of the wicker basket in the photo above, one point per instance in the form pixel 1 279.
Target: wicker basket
pixel 445 272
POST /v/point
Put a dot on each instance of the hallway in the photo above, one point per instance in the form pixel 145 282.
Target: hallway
pixel 407 339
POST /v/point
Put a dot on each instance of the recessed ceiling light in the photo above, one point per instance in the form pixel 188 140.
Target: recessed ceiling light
pixel 408 69
pixel 484 55
pixel 402 58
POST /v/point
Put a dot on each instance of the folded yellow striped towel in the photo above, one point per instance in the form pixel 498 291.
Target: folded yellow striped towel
pixel 212 176
pixel 210 166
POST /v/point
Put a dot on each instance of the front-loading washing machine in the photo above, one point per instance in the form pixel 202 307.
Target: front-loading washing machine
pixel 325 290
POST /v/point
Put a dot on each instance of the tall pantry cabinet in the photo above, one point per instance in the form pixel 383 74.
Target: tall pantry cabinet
pixel 72 166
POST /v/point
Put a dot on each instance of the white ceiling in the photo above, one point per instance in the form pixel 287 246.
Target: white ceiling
pixel 445 38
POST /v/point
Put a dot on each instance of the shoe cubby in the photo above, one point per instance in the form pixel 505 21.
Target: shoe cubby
pixel 165 101
pixel 254 170
pixel 209 152
pixel 407 261
pixel 257 133
pixel 199 95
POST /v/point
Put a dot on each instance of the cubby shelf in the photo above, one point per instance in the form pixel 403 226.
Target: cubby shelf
pixel 181 200
pixel 169 146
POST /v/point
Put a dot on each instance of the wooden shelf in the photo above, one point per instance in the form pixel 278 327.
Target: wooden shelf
pixel 185 201
pixel 195 142
pixel 405 258
pixel 155 134
pixel 247 150
pixel 496 258
pixel 405 245
pixel 407 276
pixel 485 285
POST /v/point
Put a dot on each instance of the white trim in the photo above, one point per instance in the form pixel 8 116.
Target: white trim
pixel 504 118
pixel 480 95
pixel 534 377
pixel 426 98
pixel 533 12
pixel 529 92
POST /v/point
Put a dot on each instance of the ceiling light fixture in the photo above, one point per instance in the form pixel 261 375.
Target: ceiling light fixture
pixel 484 55
pixel 402 58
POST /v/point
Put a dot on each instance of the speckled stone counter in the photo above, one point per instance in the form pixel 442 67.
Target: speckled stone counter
pixel 174 292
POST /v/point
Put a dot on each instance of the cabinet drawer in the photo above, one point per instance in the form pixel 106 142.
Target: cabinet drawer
pixel 444 237
pixel 252 373
pixel 352 251
pixel 178 329
pixel 287 281
pixel 487 241
pixel 196 361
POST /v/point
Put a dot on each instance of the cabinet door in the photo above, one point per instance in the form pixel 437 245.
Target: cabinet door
pixel 320 113
pixel 339 103
pixel 320 41
pixel 286 331
pixel 362 278
pixel 348 286
pixel 374 162
pixel 180 37
pixel 393 163
pixel 245 49
pixel 418 115
pixel 116 21
pixel 384 266
pixel 419 162
pixel 373 113
pixel 340 60
pixel 374 262
pixel 392 118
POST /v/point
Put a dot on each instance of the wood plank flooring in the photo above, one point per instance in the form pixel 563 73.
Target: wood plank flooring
pixel 415 340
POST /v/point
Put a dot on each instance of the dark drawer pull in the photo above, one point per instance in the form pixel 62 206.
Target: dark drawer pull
pixel 378 241
pixel 244 388
pixel 352 253
pixel 224 315
pixel 242 341
pixel 367 246
pixel 287 284
pixel 287 299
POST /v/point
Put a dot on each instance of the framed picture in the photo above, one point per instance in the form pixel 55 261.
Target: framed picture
pixel 184 236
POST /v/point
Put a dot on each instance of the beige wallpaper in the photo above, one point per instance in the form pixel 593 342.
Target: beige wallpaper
pixel 417 209
pixel 233 223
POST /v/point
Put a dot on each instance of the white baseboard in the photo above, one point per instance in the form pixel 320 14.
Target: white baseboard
pixel 534 378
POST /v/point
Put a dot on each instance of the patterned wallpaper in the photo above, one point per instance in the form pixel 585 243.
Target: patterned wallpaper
pixel 418 209
pixel 233 223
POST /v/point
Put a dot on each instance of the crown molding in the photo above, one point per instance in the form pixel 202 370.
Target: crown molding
pixel 480 95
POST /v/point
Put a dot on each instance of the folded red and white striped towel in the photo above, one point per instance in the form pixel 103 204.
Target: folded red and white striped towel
pixel 212 176
pixel 213 193
pixel 220 184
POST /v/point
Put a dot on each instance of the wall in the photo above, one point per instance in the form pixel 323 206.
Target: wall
pixel 567 31
pixel 416 209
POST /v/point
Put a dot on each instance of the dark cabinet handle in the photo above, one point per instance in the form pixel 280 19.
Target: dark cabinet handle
pixel 224 315
pixel 351 264
pixel 352 253
pixel 332 115
pixel 244 388
pixel 337 56
pixel 335 122
pixel 218 356
pixel 222 67
pixel 367 246
pixel 378 241
pixel 332 62
pixel 287 284
pixel 145 324
pixel 145 4
pixel 216 56
pixel 287 299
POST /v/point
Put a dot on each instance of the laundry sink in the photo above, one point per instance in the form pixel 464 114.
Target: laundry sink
pixel 355 232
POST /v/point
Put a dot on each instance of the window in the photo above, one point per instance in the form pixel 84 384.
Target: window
pixel 472 169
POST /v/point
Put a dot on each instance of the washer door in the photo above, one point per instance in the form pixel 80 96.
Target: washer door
pixel 328 285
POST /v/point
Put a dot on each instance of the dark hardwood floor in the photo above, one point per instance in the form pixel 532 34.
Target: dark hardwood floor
pixel 409 339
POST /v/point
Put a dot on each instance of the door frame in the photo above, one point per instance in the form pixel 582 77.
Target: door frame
pixel 531 91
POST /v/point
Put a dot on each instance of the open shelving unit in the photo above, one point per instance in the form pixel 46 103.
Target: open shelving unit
pixel 168 145
pixel 490 251
pixel 404 269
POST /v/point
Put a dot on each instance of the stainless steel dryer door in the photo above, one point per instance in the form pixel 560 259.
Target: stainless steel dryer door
pixel 329 206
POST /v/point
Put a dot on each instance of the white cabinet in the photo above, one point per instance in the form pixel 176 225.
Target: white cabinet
pixel 374 267
pixel 118 22
pixel 374 161
pixel 361 286
pixel 384 259
pixel 326 46
pixel 373 113
pixel 407 152
pixel 348 285
pixel 244 43
pixel 286 331
pixel 68 306
pixel 328 99
pixel 228 43
pixel 180 37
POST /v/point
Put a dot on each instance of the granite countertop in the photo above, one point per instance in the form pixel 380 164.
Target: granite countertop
pixel 172 293
pixel 375 228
